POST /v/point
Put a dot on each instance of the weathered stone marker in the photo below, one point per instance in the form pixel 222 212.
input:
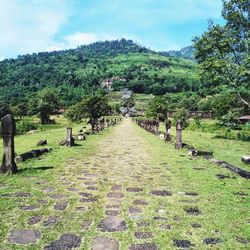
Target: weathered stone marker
pixel 8 130
pixel 168 127
pixel 69 138
pixel 178 144
pixel 246 159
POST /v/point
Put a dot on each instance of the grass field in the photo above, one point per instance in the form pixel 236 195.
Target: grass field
pixel 223 149
pixel 128 157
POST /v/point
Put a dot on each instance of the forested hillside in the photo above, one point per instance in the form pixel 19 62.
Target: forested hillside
pixel 77 72
pixel 187 53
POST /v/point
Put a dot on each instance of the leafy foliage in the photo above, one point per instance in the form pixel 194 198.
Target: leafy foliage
pixel 79 72
pixel 92 107
pixel 181 115
pixel 158 108
pixel 44 104
pixel 4 109
pixel 223 51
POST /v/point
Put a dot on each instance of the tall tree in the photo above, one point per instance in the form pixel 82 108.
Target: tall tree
pixel 223 51
pixel 44 104
pixel 4 109
pixel 92 107
pixel 158 108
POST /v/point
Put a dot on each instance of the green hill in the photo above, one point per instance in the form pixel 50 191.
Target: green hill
pixel 82 71
pixel 187 53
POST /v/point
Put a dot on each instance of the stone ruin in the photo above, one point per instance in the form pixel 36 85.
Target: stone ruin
pixel 69 142
pixel 179 127
pixel 168 125
pixel 150 125
pixel 8 130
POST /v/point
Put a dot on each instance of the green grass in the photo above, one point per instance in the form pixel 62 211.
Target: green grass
pixel 30 175
pixel 223 149
pixel 116 155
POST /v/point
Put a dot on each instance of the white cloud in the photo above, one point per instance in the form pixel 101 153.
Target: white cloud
pixel 29 26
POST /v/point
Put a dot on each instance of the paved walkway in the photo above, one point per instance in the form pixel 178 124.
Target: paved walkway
pixel 117 198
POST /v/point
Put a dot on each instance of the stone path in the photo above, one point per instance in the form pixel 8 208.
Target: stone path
pixel 119 196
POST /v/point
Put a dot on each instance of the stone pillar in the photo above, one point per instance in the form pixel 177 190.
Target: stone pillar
pixel 102 123
pixel 107 123
pixel 157 125
pixel 168 130
pixel 8 130
pixel 96 125
pixel 69 138
pixel 178 144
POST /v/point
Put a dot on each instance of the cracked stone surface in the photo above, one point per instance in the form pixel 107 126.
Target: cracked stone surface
pixel 182 243
pixel 212 241
pixel 24 236
pixel 34 220
pixel 161 193
pixel 143 235
pixel 61 205
pixel 50 221
pixel 112 224
pixel 104 243
pixel 65 242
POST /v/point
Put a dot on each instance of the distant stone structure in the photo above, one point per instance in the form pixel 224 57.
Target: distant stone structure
pixel 168 130
pixel 8 130
pixel 81 136
pixel 42 142
pixel 246 159
pixel 69 138
pixel 107 83
pixel 200 114
pixel 244 119
pixel 32 154
pixel 178 144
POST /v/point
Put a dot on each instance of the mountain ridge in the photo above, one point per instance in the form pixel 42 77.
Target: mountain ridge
pixel 186 52
pixel 78 72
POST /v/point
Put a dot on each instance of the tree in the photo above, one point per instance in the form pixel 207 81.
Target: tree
pixel 44 104
pixel 223 52
pixel 4 109
pixel 158 108
pixel 20 110
pixel 92 107
pixel 128 102
pixel 181 115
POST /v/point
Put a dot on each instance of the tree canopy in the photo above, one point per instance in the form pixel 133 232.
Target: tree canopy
pixel 91 107
pixel 223 51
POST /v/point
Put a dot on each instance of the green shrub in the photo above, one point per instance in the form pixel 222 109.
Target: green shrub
pixel 24 126
pixel 182 115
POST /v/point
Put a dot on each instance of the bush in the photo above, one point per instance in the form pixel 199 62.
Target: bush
pixel 24 126
pixel 182 115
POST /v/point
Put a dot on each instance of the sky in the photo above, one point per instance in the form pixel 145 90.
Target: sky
pixel 31 26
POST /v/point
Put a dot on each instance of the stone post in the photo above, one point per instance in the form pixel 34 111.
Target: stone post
pixel 97 125
pixel 69 138
pixel 102 123
pixel 168 130
pixel 178 144
pixel 8 130
pixel 157 125
pixel 107 123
